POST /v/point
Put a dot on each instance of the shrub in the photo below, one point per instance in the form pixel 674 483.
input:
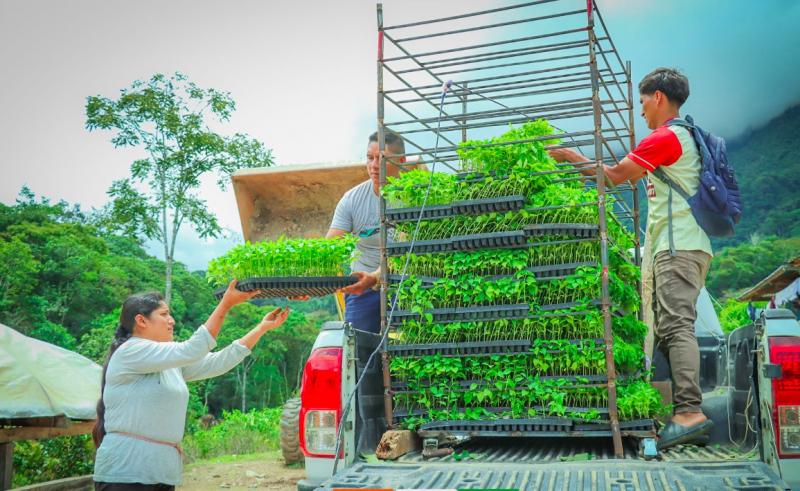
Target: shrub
pixel 38 461
pixel 236 434
pixel 733 314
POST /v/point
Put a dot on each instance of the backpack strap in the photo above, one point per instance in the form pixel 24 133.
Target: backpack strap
pixel 686 123
pixel 659 173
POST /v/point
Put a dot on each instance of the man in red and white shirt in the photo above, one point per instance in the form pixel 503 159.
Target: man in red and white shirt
pixel 678 274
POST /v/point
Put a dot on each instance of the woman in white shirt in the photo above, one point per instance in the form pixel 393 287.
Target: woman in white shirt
pixel 142 410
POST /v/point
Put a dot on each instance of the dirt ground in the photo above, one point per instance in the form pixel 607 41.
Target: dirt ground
pixel 260 471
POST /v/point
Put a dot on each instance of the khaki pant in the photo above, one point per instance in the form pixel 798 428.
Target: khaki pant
pixel 678 281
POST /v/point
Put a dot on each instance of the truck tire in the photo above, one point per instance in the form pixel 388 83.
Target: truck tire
pixel 290 428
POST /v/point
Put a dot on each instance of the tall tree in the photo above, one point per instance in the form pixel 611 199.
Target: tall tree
pixel 167 117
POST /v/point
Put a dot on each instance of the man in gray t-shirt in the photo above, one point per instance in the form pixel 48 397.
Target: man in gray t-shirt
pixel 358 213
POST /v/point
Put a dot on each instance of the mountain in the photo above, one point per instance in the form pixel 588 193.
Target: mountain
pixel 767 166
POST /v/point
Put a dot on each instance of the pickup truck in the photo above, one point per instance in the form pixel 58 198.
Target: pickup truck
pixel 750 380
pixel 751 384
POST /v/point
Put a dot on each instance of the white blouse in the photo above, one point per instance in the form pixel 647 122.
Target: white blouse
pixel 146 395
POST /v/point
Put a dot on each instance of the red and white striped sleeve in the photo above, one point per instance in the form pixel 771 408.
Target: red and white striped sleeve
pixel 661 147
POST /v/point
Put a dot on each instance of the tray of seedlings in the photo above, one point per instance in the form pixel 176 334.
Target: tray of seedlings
pixel 286 267
pixel 498 327
pixel 553 271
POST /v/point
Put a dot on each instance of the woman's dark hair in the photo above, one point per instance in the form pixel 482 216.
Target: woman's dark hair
pixel 671 82
pixel 141 303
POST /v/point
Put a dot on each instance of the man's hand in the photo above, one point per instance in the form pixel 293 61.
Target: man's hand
pixel 233 296
pixel 365 282
pixel 566 155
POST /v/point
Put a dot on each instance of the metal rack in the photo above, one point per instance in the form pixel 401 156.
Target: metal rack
pixel 551 59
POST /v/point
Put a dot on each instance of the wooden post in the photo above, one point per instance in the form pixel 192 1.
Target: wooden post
pixel 6 465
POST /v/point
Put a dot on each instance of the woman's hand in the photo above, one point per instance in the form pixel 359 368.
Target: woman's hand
pixel 233 296
pixel 271 321
pixel 274 319
pixel 365 281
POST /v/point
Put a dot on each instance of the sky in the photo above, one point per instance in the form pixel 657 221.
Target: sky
pixel 303 75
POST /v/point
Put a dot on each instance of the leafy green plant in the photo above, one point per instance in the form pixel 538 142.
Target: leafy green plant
pixel 733 314
pixel 499 153
pixel 508 391
pixel 284 257
pixel 237 433
pixel 38 461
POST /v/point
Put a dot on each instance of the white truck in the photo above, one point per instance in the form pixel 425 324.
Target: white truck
pixel 750 380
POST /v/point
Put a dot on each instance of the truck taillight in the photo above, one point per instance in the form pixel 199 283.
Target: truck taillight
pixel 321 402
pixel 785 351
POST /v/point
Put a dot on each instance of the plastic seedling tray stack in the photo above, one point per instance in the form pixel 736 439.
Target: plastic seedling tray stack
pixel 448 387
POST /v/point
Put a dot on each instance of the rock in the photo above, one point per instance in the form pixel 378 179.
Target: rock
pixel 224 485
pixel 395 443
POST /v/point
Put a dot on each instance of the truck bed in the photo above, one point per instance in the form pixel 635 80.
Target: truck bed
pixel 528 464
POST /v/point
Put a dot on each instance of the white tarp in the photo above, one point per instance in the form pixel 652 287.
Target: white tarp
pixel 41 379
pixel 788 294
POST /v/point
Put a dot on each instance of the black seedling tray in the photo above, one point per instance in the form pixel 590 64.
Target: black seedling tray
pixel 501 427
pixel 439 315
pixel 481 206
pixel 277 286
pixel 576 379
pixel 555 270
pixel 470 348
pixel 634 425
pixel 460 314
pixel 401 412
pixel 460 389
pixel 489 205
pixel 534 427
pixel 420 247
pixel 491 240
pixel 426 280
pixel 568 305
pixel 478 348
pixel 475 176
pixel 573 229
pixel 411 214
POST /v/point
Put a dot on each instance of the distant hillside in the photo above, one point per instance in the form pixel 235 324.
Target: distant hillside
pixel 767 165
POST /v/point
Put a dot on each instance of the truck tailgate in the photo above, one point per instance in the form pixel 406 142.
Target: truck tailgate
pixel 619 475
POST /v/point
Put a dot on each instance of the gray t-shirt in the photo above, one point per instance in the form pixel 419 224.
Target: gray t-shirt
pixel 146 395
pixel 359 212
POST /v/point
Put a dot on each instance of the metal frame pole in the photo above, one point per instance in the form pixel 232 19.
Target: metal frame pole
pixel 464 112
pixel 637 233
pixel 387 396
pixel 603 228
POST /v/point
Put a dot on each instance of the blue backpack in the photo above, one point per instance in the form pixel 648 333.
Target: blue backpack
pixel 716 205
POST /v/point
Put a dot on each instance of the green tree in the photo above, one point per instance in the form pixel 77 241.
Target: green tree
pixel 166 116
pixel 736 268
